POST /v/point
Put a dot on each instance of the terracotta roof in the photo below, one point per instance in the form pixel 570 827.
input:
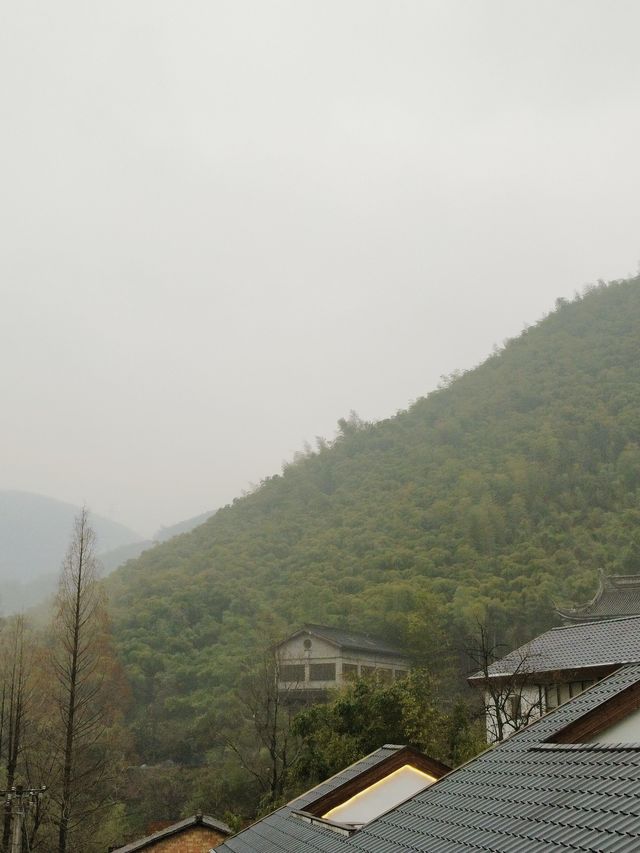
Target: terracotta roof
pixel 188 823
pixel 617 595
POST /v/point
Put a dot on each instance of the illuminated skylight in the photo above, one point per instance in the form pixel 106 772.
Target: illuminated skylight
pixel 380 796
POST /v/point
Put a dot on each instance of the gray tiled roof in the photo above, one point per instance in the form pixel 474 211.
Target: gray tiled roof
pixel 349 640
pixel 618 595
pixel 282 831
pixel 608 642
pixel 522 796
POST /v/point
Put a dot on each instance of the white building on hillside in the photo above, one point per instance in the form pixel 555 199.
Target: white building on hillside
pixel 553 668
pixel 317 657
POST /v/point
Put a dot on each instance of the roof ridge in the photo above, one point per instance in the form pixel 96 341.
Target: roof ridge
pixel 594 622
pixel 197 819
pixel 337 628
pixel 348 637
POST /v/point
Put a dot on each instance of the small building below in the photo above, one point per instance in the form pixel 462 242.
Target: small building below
pixel 318 657
pixel 197 834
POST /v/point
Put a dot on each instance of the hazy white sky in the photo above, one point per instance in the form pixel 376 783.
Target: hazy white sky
pixel 223 225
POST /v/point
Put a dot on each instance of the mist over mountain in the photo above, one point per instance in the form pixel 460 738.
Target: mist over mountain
pixel 489 499
pixel 118 556
pixel 166 533
pixel 35 532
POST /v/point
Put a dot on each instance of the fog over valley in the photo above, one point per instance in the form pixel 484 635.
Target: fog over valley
pixel 320 433
pixel 224 226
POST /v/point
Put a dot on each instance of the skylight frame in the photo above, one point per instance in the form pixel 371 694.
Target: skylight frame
pixel 314 812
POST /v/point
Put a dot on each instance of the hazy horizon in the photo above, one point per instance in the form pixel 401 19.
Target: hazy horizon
pixel 226 225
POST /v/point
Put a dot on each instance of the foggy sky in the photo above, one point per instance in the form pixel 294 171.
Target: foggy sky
pixel 223 225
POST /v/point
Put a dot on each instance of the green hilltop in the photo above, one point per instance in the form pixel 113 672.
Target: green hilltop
pixel 487 500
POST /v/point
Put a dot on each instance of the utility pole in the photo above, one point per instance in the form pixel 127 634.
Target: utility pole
pixel 17 800
pixel 18 817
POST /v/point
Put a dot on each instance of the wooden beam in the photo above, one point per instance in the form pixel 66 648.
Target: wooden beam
pixel 600 718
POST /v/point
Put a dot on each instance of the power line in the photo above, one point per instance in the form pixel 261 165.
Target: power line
pixel 17 800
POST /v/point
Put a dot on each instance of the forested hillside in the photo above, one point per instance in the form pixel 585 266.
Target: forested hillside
pixel 488 499
pixel 116 557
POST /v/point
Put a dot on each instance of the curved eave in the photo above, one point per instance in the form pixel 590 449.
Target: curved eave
pixel 582 614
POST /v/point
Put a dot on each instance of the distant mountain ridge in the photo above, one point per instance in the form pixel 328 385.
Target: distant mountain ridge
pixel 111 560
pixel 34 535
pixel 35 532
pixel 501 491
pixel 166 533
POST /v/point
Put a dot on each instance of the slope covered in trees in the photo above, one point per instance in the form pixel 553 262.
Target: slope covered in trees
pixel 110 560
pixel 486 500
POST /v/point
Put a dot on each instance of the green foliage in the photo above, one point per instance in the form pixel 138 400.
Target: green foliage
pixel 364 715
pixel 497 494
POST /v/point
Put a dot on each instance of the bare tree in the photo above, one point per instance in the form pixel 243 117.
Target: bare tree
pixel 262 740
pixel 15 698
pixel 78 659
pixel 508 704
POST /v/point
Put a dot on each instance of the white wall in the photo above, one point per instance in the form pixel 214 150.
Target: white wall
pixel 293 651
pixel 530 710
pixel 536 699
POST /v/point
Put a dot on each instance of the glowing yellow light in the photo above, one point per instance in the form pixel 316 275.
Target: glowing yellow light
pixel 407 770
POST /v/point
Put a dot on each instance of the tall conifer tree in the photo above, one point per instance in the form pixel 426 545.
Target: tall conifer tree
pixel 79 635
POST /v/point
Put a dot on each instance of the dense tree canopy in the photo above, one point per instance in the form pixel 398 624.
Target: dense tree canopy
pixel 362 716
pixel 488 499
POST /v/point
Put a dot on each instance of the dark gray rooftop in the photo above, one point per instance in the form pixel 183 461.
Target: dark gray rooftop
pixel 346 639
pixel 617 595
pixel 283 831
pixel 522 796
pixel 525 796
pixel 610 642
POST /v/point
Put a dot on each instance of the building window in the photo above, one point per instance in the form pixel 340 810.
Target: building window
pixel 292 672
pixel 322 672
pixel 349 671
pixel 367 671
pixel 399 673
pixel 385 675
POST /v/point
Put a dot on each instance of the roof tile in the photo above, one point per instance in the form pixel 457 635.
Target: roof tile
pixel 522 796
pixel 610 642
